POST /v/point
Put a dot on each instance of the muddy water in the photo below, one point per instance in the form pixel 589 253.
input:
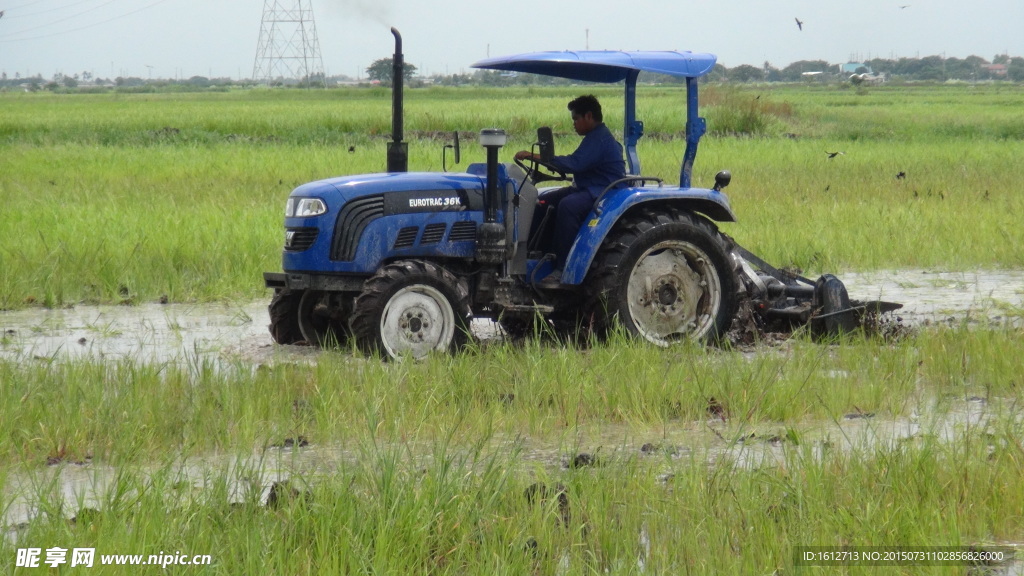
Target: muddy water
pixel 175 332
pixel 696 443
pixel 229 333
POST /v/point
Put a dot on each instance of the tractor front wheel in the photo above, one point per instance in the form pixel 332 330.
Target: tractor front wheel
pixel 412 308
pixel 284 317
pixel 665 276
pixel 322 317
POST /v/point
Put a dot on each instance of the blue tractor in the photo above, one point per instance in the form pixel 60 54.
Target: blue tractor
pixel 403 261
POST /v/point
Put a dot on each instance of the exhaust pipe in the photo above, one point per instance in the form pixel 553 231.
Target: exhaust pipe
pixel 490 241
pixel 398 151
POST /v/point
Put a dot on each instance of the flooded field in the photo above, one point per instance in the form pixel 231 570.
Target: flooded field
pixel 71 491
pixel 86 484
pixel 163 332
pixel 236 335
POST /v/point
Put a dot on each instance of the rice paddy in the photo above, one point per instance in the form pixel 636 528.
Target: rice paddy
pixel 617 457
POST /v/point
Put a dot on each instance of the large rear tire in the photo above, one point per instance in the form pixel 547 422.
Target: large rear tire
pixel 284 317
pixel 412 308
pixel 664 275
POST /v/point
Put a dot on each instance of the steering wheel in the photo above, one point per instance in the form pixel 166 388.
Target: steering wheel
pixel 535 174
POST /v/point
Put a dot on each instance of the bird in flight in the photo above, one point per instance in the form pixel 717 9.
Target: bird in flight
pixel 1 13
pixel 833 154
pixel 799 24
pixel 904 6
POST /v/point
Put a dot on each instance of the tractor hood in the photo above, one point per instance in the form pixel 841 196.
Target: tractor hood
pixel 603 66
pixel 337 191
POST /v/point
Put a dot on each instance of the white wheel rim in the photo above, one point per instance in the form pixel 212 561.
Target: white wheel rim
pixel 673 292
pixel 416 320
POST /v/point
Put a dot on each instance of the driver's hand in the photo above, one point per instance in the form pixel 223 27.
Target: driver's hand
pixel 524 155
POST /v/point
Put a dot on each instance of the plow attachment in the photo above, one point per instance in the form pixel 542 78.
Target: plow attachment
pixel 783 300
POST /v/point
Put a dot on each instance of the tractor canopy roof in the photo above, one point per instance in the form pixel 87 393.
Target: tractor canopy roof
pixel 602 65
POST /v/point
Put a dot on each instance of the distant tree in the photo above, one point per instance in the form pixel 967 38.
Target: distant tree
pixel 973 66
pixel 718 74
pixel 745 73
pixel 497 78
pixel 1015 69
pixel 932 68
pixel 318 80
pixel 794 72
pixel 381 70
pixel 453 80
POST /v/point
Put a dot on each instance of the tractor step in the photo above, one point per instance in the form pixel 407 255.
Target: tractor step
pixel 528 308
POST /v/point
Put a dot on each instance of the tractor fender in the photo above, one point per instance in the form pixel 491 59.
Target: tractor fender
pixel 611 207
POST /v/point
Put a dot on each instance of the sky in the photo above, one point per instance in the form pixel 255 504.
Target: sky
pixel 218 38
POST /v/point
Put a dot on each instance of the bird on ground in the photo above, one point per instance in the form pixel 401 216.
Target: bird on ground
pixel 833 154
pixel 799 24
pixel 901 175
pixel 351 148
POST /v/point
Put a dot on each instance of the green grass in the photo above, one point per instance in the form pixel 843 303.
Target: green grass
pixel 128 198
pixel 466 514
pixel 124 410
pixel 179 195
pixel 114 197
pixel 426 480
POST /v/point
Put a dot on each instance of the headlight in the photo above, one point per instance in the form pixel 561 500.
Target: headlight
pixel 304 207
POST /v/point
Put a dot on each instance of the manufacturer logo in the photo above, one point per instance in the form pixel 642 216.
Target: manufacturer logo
pixel 434 202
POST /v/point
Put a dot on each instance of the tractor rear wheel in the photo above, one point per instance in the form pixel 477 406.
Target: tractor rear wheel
pixel 412 308
pixel 322 317
pixel 284 316
pixel 665 276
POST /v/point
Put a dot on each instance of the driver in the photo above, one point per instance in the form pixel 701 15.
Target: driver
pixel 595 164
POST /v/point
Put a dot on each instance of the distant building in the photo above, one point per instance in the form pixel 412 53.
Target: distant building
pixel 995 69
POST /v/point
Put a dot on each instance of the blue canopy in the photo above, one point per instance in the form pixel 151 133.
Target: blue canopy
pixel 603 66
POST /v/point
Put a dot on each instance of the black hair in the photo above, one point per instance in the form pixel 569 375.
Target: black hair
pixel 585 104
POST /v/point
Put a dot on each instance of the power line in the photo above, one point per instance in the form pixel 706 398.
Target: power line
pixel 86 27
pixel 18 14
pixel 16 6
pixel 66 18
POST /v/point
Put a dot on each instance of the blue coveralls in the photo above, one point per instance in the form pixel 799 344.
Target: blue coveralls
pixel 595 164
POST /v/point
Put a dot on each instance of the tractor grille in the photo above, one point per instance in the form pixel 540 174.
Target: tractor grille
pixel 299 239
pixel 433 233
pixel 406 237
pixel 354 218
pixel 462 231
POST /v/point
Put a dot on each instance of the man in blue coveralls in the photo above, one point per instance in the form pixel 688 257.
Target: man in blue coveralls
pixel 595 164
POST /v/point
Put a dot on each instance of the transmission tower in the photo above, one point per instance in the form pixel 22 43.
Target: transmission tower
pixel 288 47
